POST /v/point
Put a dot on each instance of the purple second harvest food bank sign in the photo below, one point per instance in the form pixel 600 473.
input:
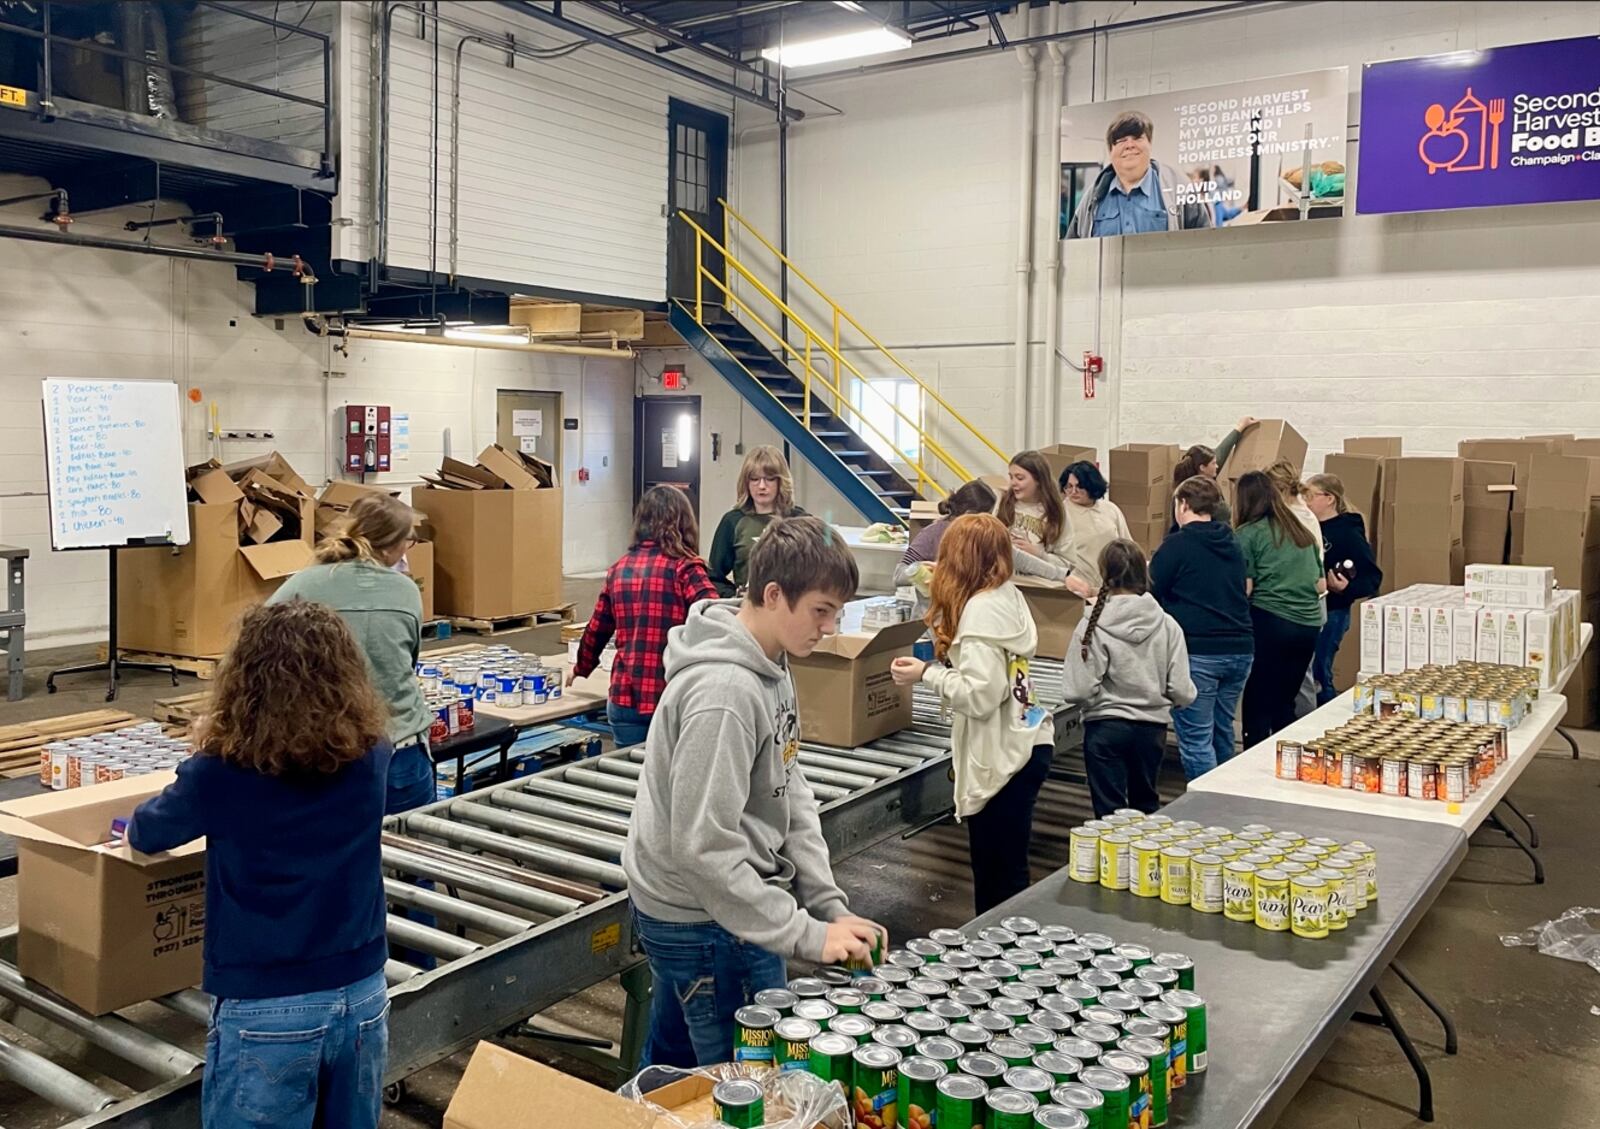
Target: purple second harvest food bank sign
pixel 1470 129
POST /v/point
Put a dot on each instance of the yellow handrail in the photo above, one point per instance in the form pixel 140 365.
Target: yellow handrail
pixel 703 239
pixel 839 311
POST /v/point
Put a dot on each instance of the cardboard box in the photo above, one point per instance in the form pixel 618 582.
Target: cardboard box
pixel 1441 636
pixel 847 696
pixel 922 514
pixel 1264 444
pixel 1148 535
pixel 1362 477
pixel 495 552
pixel 275 467
pixel 1383 446
pixel 419 563
pixel 103 926
pixel 1368 616
pixel 516 470
pixel 1561 482
pixel 1569 542
pixel 1142 502
pixel 1055 612
pixel 1517 451
pixel 1422 481
pixel 1062 455
pixel 1143 464
pixel 1394 638
pixel 1487 489
pixel 1583 705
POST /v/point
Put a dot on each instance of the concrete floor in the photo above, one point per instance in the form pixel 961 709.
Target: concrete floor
pixel 1528 1038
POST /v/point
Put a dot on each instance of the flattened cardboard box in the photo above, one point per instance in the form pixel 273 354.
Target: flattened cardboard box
pixel 1055 612
pixel 103 926
pixel 847 696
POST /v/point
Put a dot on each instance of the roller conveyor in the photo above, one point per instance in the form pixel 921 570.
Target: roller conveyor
pixel 524 883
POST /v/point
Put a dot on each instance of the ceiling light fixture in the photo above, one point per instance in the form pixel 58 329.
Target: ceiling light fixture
pixel 837 48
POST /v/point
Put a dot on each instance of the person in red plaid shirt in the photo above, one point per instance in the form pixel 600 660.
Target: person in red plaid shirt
pixel 647 592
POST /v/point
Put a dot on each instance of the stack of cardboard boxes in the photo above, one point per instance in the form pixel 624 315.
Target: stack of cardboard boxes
pixel 1141 487
pixel 496 528
pixel 1419 530
pixel 1561 528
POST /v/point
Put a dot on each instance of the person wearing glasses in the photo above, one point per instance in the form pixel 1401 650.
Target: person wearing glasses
pixel 766 491
pixel 1093 520
pixel 356 575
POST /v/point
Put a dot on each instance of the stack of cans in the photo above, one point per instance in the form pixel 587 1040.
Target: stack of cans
pixel 499 676
pixel 133 751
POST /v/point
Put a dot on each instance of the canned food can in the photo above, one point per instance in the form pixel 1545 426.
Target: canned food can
pixel 1144 877
pixel 997 935
pixel 1309 905
pixel 918 1092
pixel 1288 760
pixel 1055 1022
pixel 1038 1038
pixel 896 1035
pixel 1195 1040
pixel 1030 1080
pixel 808 988
pixel 535 688
pixel 1009 1109
pixel 960 960
pixel 857 1027
pixel 941 1049
pixel 1369 866
pixel 1176 1020
pixel 949 938
pixel 958 1103
pixel 1115 850
pixel 1103 1035
pixel 1334 882
pixel 832 1059
pixel 1153 1053
pixel 971 1036
pixel 1355 890
pixel 909 1000
pixel 891 974
pixel 1084 1050
pixel 1205 883
pixel 1086 1100
pixel 1046 980
pixel 1120 1001
pixel 109 770
pixel 1158 974
pixel 753 1034
pixel 738 1103
pixel 1175 862
pixel 1014 1051
pixel 876 1086
pixel 987 950
pixel 927 1023
pixel 927 986
pixel 780 1000
pixel 58 768
pixel 1141 989
pixel 1058 1064
pixel 508 691
pixel 1239 891
pixel 983 1065
pixel 995 1022
pixel 1059 1117
pixel 1272 900
pixel 847 1000
pixel 1182 964
pixel 1114 1088
pixel 882 1011
pixel 792 1043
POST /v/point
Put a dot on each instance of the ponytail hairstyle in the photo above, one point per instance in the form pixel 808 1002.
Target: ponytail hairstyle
pixel 1286 478
pixel 1333 487
pixel 1260 500
pixel 377 523
pixel 975 497
pixel 1194 460
pixel 665 517
pixel 1126 573
pixel 974 556
pixel 1055 510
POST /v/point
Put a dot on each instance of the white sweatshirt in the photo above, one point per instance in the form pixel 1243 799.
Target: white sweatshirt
pixel 987 689
pixel 1089 530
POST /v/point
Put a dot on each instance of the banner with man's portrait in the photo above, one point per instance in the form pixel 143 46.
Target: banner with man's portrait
pixel 1267 150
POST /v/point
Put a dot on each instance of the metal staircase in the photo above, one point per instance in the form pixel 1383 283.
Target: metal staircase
pixel 786 378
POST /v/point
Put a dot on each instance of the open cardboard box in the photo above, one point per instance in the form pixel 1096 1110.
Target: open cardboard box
pixel 1264 444
pixel 419 563
pixel 847 696
pixel 1055 612
pixel 1060 456
pixel 103 926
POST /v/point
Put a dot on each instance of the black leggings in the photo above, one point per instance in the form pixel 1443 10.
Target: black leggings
pixel 1000 834
pixel 1283 655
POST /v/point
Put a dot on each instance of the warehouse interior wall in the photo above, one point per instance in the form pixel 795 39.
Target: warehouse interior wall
pixel 1433 326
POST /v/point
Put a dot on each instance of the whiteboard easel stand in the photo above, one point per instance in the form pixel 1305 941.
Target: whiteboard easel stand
pixel 113 665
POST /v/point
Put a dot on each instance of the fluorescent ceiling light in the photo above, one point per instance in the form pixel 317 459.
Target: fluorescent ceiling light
pixel 492 334
pixel 836 48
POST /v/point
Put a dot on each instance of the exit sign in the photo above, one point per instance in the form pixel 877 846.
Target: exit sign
pixel 672 379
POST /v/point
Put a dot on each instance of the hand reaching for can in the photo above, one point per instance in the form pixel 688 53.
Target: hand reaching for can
pixel 850 938
pixel 572 677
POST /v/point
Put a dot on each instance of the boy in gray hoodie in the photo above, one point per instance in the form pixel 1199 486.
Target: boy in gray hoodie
pixel 727 868
pixel 1128 665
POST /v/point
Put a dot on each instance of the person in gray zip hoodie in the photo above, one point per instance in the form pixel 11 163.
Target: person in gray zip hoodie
pixel 727 868
pixel 1128 665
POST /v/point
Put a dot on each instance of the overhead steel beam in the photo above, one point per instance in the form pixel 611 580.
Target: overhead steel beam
pixel 642 23
pixel 595 35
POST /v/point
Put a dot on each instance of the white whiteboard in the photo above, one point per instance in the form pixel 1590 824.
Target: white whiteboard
pixel 114 458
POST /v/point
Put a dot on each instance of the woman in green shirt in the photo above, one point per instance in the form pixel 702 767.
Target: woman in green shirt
pixel 1283 577
pixel 766 491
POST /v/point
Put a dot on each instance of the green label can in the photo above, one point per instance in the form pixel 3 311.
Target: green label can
pixel 1113 1087
pixel 1038 1037
pixel 1195 1040
pixel 856 1027
pixel 780 1000
pixel 876 1086
pixel 753 1036
pixel 959 1102
pixel 1059 1065
pixel 1030 1080
pixel 1176 1021
pixel 986 1067
pixel 1059 1117
pixel 818 1011
pixel 1154 1054
pixel 793 1049
pixel 847 1000
pixel 941 1049
pixel 1010 1109
pixel 919 1091
pixel 1182 964
pixel 1086 1100
pixel 1139 1086
pixel 1014 1051
pixel 833 1059
pixel 1079 1048
pixel 738 1103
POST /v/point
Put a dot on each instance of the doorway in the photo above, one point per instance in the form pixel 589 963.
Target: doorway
pixel 529 422
pixel 666 445
pixel 697 178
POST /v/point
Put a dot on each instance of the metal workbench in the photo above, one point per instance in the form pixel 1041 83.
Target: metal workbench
pixel 543 917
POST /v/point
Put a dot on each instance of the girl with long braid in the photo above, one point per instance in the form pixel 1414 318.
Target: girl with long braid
pixel 1128 665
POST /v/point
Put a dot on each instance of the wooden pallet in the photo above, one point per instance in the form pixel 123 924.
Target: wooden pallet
pixel 20 744
pixel 202 668
pixel 499 625
pixel 181 710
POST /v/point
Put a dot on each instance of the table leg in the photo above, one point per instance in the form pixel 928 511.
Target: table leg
pixel 1533 832
pixel 1450 1043
pixel 1387 1018
pixel 1538 866
pixel 1571 744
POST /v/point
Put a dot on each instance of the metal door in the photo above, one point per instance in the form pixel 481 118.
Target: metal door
pixel 667 445
pixel 529 422
pixel 697 177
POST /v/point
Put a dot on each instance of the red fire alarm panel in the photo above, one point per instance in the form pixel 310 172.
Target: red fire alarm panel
pixel 366 439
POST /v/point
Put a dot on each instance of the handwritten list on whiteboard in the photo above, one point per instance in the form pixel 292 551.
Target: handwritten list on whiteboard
pixel 114 453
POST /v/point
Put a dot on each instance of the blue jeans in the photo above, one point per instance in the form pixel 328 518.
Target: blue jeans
pixel 412 784
pixel 1205 729
pixel 293 1061
pixel 702 974
pixel 1333 633
pixel 629 727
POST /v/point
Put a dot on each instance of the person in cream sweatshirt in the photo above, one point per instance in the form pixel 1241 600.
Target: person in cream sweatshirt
pixel 1002 740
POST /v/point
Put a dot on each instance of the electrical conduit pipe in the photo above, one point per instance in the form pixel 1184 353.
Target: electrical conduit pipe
pixel 1030 115
pixel 1052 180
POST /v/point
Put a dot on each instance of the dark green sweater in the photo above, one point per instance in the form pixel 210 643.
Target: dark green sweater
pixel 1224 513
pixel 737 533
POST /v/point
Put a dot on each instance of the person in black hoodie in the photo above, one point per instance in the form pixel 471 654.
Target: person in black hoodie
pixel 1198 578
pixel 1353 574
